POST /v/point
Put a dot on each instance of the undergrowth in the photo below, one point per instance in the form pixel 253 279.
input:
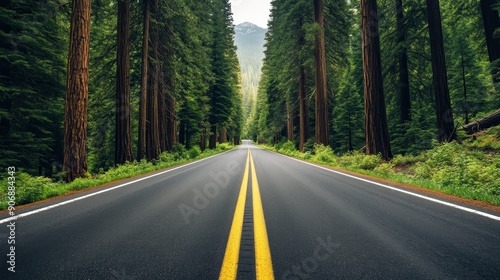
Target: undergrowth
pixel 31 189
pixel 470 169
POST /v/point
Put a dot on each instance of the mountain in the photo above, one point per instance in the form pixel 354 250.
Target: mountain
pixel 249 39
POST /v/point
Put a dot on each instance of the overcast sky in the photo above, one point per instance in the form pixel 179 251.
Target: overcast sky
pixel 254 11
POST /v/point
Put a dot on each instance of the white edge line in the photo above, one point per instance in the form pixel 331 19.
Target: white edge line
pixel 474 211
pixel 6 220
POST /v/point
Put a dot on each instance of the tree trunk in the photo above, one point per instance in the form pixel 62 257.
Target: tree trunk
pixel 440 80
pixel 170 83
pixel 304 130
pixel 141 146
pixel 491 22
pixel 152 127
pixel 289 121
pixel 171 123
pixel 212 143
pixel 464 84
pixel 162 111
pixel 77 89
pixel 182 132
pixel 377 136
pixel 404 81
pixel 223 135
pixel 123 131
pixel 321 89
pixel 237 140
pixel 203 139
pixel 492 119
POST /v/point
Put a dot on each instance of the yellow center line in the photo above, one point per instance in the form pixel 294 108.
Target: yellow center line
pixel 263 262
pixel 230 262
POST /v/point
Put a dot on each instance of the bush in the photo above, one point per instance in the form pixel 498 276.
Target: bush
pixel 451 165
pixel 287 148
pixel 369 162
pixel 384 169
pixel 323 154
pixel 28 188
pixel 194 152
pixel 309 145
pixel 179 152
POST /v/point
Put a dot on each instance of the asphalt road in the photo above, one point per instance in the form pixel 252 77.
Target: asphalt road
pixel 250 212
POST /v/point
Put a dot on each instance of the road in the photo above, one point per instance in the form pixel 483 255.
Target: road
pixel 250 214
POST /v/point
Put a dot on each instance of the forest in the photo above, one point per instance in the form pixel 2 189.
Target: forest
pixel 408 83
pixel 415 70
pixel 90 86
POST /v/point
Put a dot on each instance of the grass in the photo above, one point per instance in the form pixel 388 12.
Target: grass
pixel 31 189
pixel 470 169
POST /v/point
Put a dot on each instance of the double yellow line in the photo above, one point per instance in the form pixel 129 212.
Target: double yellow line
pixel 263 262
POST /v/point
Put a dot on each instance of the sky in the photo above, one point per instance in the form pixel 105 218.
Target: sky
pixel 254 11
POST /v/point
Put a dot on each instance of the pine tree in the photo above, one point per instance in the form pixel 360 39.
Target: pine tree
pixel 222 89
pixel 32 76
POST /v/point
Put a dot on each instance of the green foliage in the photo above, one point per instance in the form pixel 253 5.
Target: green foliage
pixel 287 147
pixel 32 85
pixel 323 154
pixel 450 165
pixel 194 152
pixel 466 170
pixel 30 189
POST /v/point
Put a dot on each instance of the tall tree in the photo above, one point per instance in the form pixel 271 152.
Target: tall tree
pixel 32 86
pixel 321 129
pixel 123 131
pixel 152 127
pixel 222 88
pixel 377 135
pixel 77 85
pixel 289 121
pixel 491 22
pixel 444 113
pixel 304 130
pixel 404 80
pixel 141 149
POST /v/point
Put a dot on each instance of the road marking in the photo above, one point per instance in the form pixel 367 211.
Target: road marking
pixel 230 262
pixel 6 220
pixel 263 262
pixel 466 209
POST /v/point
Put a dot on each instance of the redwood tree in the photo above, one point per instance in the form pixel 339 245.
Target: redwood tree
pixel 404 81
pixel 304 130
pixel 123 137
pixel 141 149
pixel 321 130
pixel 491 22
pixel 152 126
pixel 77 88
pixel 377 136
pixel 444 114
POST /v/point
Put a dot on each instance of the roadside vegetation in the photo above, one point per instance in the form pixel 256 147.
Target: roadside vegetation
pixel 470 169
pixel 31 189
